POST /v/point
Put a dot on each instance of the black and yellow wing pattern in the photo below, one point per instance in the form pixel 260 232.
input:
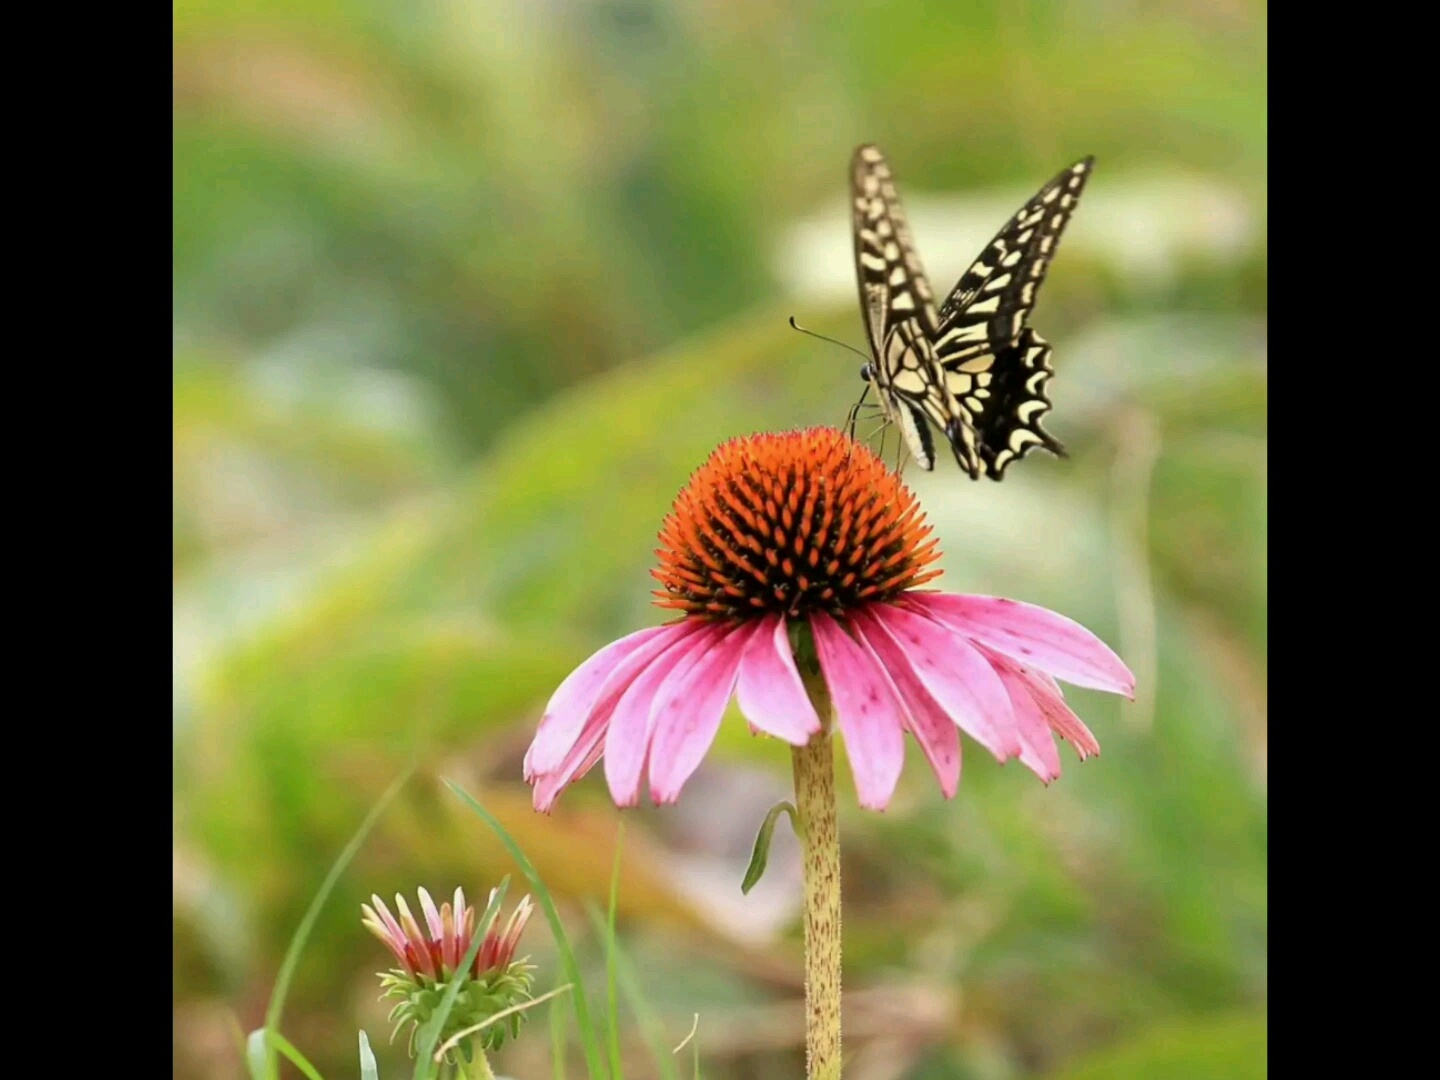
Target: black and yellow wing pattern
pixel 994 364
pixel 974 368
pixel 900 317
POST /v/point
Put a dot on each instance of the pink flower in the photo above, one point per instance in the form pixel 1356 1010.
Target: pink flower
pixel 452 930
pixel 778 532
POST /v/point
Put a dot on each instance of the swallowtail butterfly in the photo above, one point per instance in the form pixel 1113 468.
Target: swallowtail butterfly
pixel 973 368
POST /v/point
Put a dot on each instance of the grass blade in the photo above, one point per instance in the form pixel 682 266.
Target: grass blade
pixel 302 932
pixel 368 1069
pixel 430 1033
pixel 610 998
pixel 286 1047
pixel 255 1057
pixel 588 1042
pixel 559 1044
pixel 651 1030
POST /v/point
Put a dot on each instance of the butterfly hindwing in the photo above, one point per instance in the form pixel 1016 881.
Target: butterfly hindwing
pixel 900 317
pixel 1010 423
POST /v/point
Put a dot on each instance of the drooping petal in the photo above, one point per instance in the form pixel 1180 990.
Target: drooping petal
pixel 1035 636
pixel 573 701
pixel 631 727
pixel 868 713
pixel 1037 752
pixel 957 676
pixel 589 744
pixel 933 729
pixel 1058 715
pixel 769 690
pixel 581 758
pixel 688 710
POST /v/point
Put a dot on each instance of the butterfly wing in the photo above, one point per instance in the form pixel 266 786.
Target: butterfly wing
pixel 1009 426
pixel 988 362
pixel 900 317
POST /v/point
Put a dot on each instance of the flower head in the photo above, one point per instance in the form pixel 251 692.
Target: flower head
pixel 492 982
pixel 809 531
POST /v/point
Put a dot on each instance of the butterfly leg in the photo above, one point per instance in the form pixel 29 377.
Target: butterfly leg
pixel 855 410
pixel 882 430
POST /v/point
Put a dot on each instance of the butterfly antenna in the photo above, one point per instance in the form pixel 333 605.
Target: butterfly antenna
pixel 796 326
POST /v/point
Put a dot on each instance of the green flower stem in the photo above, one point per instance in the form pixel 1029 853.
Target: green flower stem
pixel 820 847
pixel 479 1067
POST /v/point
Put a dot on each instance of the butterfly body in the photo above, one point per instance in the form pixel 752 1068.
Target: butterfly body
pixel 972 367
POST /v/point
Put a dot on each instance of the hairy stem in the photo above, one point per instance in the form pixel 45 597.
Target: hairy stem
pixel 820 846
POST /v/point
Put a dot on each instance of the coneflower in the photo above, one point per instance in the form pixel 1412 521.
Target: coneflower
pixel 797 562
pixel 494 981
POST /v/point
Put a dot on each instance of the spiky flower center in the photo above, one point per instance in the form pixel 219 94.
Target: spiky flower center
pixel 791 523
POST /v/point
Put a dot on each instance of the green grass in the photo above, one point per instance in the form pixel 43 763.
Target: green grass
pixel 263 1043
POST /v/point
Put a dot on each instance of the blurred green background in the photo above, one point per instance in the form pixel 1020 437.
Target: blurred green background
pixel 464 291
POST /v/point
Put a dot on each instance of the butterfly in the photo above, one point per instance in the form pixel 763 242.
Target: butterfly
pixel 973 368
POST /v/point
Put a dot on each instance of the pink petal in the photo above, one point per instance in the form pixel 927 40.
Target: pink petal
pixel 1038 751
pixel 373 923
pixel 688 710
pixel 389 920
pixel 589 744
pixel 1035 636
pixel 432 914
pixel 573 701
pixel 868 713
pixel 415 938
pixel 770 692
pixel 1058 715
pixel 631 728
pixel 581 758
pixel 957 676
pixel 933 729
pixel 448 944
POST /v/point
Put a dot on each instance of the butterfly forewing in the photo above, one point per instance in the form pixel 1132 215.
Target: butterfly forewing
pixel 995 373
pixel 1000 286
pixel 900 317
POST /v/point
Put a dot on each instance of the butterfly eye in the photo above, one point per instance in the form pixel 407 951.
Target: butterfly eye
pixel 865 373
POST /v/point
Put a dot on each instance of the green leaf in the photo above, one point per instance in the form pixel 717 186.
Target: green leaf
pixel 430 1033
pixel 286 1047
pixel 368 1069
pixel 760 857
pixel 302 932
pixel 588 1041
